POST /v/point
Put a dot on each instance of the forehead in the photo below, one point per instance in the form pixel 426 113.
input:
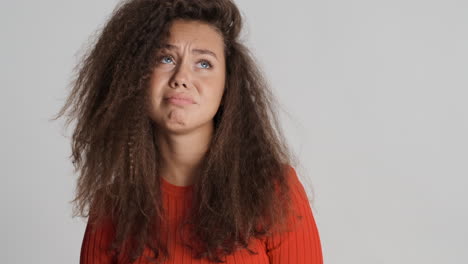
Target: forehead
pixel 196 34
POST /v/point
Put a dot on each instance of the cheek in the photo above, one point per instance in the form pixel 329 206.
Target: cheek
pixel 214 99
pixel 156 86
pixel 212 89
pixel 215 82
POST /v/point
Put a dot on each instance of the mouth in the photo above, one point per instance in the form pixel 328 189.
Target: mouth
pixel 180 99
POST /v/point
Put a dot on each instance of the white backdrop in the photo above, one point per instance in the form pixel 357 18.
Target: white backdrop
pixel 374 104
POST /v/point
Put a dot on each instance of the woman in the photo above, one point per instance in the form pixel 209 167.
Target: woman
pixel 180 156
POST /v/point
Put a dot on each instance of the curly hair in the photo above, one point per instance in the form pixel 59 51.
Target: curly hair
pixel 242 191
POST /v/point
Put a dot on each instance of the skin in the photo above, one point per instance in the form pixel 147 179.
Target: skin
pixel 185 131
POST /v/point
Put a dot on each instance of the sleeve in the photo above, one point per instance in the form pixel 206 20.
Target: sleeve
pixel 96 240
pixel 302 244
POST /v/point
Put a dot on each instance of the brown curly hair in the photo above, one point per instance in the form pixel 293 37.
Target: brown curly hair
pixel 242 191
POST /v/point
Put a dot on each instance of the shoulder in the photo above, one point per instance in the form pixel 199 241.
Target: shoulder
pixel 297 191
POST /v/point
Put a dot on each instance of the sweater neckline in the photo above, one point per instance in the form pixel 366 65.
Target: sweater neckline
pixel 174 189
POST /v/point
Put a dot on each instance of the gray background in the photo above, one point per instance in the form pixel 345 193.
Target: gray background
pixel 374 104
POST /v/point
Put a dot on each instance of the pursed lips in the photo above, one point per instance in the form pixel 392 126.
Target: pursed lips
pixel 181 96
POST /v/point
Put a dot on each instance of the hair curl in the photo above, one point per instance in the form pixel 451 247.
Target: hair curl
pixel 242 191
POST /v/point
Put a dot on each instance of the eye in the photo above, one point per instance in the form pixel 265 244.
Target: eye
pixel 164 57
pixel 206 63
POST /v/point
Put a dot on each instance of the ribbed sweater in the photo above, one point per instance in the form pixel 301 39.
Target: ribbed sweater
pixel 300 245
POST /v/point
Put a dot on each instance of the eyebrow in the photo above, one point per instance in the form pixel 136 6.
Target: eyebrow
pixel 199 51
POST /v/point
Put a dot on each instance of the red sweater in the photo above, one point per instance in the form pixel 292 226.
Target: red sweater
pixel 300 246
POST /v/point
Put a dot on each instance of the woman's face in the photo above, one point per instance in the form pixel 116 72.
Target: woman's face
pixel 192 66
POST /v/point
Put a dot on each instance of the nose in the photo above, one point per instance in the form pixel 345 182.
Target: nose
pixel 180 77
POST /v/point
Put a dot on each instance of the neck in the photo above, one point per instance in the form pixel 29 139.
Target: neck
pixel 182 154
